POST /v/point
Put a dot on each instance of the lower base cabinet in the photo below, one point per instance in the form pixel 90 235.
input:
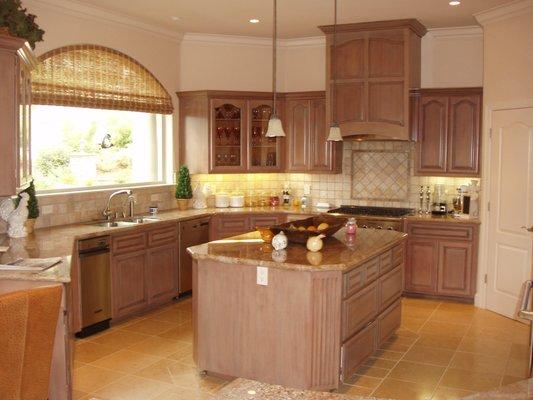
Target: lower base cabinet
pixel 162 273
pixel 442 259
pixel 224 226
pixel 129 283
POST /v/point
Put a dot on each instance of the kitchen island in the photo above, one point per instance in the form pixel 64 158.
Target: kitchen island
pixel 294 318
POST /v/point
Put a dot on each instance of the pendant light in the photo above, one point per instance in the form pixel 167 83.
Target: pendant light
pixel 334 129
pixel 275 128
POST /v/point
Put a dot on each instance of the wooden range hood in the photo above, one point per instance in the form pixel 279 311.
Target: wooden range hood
pixel 376 66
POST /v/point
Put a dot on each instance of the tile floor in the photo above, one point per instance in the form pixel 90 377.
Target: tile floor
pixel 443 350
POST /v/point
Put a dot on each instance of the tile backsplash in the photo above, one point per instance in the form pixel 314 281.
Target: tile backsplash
pixel 374 173
pixel 392 182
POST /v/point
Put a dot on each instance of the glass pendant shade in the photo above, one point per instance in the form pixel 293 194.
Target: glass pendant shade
pixel 334 133
pixel 275 128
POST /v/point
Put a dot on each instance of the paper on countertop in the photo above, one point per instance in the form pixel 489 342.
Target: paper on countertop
pixel 3 249
pixel 31 264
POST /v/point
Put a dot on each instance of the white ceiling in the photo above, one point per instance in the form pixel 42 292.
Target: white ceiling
pixel 297 18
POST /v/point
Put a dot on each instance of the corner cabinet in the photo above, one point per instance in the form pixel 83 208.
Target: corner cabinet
pixel 17 61
pixel 306 130
pixel 373 66
pixel 225 132
pixel 448 131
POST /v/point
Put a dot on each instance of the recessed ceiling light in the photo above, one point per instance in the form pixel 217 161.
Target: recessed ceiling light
pixel 455 2
pixel 174 18
pixel 254 21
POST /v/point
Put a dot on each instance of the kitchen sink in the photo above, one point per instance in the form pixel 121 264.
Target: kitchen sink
pixel 125 222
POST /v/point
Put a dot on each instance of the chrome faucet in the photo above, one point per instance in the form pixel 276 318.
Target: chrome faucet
pixel 107 211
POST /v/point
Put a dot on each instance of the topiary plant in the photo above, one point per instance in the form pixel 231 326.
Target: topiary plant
pixel 33 204
pixel 183 187
pixel 19 23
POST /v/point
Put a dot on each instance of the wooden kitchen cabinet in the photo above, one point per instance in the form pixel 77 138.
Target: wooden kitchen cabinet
pixel 306 130
pixel 162 273
pixel 223 226
pixel 448 132
pixel 129 283
pixel 442 259
pixel 376 64
pixel 17 61
pixel 224 132
pixel 144 268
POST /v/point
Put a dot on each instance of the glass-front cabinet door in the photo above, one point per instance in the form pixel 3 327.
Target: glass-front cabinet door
pixel 264 154
pixel 228 141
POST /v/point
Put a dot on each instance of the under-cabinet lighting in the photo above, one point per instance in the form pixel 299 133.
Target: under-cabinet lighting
pixel 455 2
pixel 254 21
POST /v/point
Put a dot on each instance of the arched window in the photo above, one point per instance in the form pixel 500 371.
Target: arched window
pixel 98 120
pixel 97 77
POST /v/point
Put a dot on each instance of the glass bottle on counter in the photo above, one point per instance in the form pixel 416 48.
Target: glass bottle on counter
pixel 351 226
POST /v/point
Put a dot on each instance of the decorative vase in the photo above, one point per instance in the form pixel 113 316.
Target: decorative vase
pixel 280 241
pixel 183 204
pixel 30 225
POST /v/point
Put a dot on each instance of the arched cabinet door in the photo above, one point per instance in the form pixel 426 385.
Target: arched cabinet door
pixel 432 135
pixel 464 135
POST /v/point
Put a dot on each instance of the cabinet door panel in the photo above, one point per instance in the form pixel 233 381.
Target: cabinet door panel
pixel 432 131
pixel 464 134
pixel 350 102
pixel 298 124
pixel 129 274
pixel 358 349
pixel 162 270
pixel 386 55
pixel 386 102
pixel 421 269
pixel 359 309
pixel 264 220
pixel 389 321
pixel 390 287
pixel 455 268
pixel 321 157
pixel 264 154
pixel 349 58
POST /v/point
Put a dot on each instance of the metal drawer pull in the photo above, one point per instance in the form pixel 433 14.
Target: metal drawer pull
pixel 530 229
pixel 527 314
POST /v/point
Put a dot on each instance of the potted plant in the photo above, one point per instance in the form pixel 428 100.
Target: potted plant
pixel 183 188
pixel 33 206
pixel 15 20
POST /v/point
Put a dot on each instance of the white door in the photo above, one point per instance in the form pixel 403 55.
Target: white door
pixel 510 246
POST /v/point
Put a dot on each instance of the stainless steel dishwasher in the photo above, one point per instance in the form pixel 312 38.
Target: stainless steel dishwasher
pixel 193 232
pixel 95 282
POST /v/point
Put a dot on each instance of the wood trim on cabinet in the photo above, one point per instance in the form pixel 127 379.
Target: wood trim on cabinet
pixel 411 23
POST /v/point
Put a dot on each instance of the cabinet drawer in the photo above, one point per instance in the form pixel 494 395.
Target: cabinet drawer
pixel 371 270
pixel 164 235
pixel 359 310
pixel 385 262
pixel 232 224
pixel 398 255
pixel 356 350
pixel 390 287
pixel 264 220
pixel 128 243
pixel 441 231
pixel 353 281
pixel 388 322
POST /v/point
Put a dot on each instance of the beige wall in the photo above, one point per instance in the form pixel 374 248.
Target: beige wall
pixel 509 60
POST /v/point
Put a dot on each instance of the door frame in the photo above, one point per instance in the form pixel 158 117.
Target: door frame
pixel 480 299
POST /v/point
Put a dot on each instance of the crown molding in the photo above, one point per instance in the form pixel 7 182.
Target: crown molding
pixel 456 32
pixel 93 13
pixel 235 40
pixel 500 13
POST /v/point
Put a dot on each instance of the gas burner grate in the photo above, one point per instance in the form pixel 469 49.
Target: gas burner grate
pixel 374 211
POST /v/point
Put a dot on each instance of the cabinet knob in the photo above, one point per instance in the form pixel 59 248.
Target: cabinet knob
pixel 530 229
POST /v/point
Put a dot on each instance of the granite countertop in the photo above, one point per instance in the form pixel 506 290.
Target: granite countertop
pixel 337 253
pixel 443 218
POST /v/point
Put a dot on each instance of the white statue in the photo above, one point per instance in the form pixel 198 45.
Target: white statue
pixel 15 217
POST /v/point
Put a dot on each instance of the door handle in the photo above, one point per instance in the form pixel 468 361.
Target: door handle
pixel 530 229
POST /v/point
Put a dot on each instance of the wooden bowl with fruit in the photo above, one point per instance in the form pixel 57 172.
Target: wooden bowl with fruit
pixel 299 231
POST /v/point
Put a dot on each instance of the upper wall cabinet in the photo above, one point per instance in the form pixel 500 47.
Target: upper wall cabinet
pixel 306 130
pixel 448 131
pixel 17 60
pixel 374 66
pixel 224 132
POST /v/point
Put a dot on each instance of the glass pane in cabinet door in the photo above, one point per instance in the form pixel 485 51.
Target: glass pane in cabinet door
pixel 227 136
pixel 263 149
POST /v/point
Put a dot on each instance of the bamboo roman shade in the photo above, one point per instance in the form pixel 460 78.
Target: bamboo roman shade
pixel 97 77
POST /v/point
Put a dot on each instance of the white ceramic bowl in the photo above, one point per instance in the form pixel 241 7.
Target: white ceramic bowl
pixel 221 200
pixel 236 201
